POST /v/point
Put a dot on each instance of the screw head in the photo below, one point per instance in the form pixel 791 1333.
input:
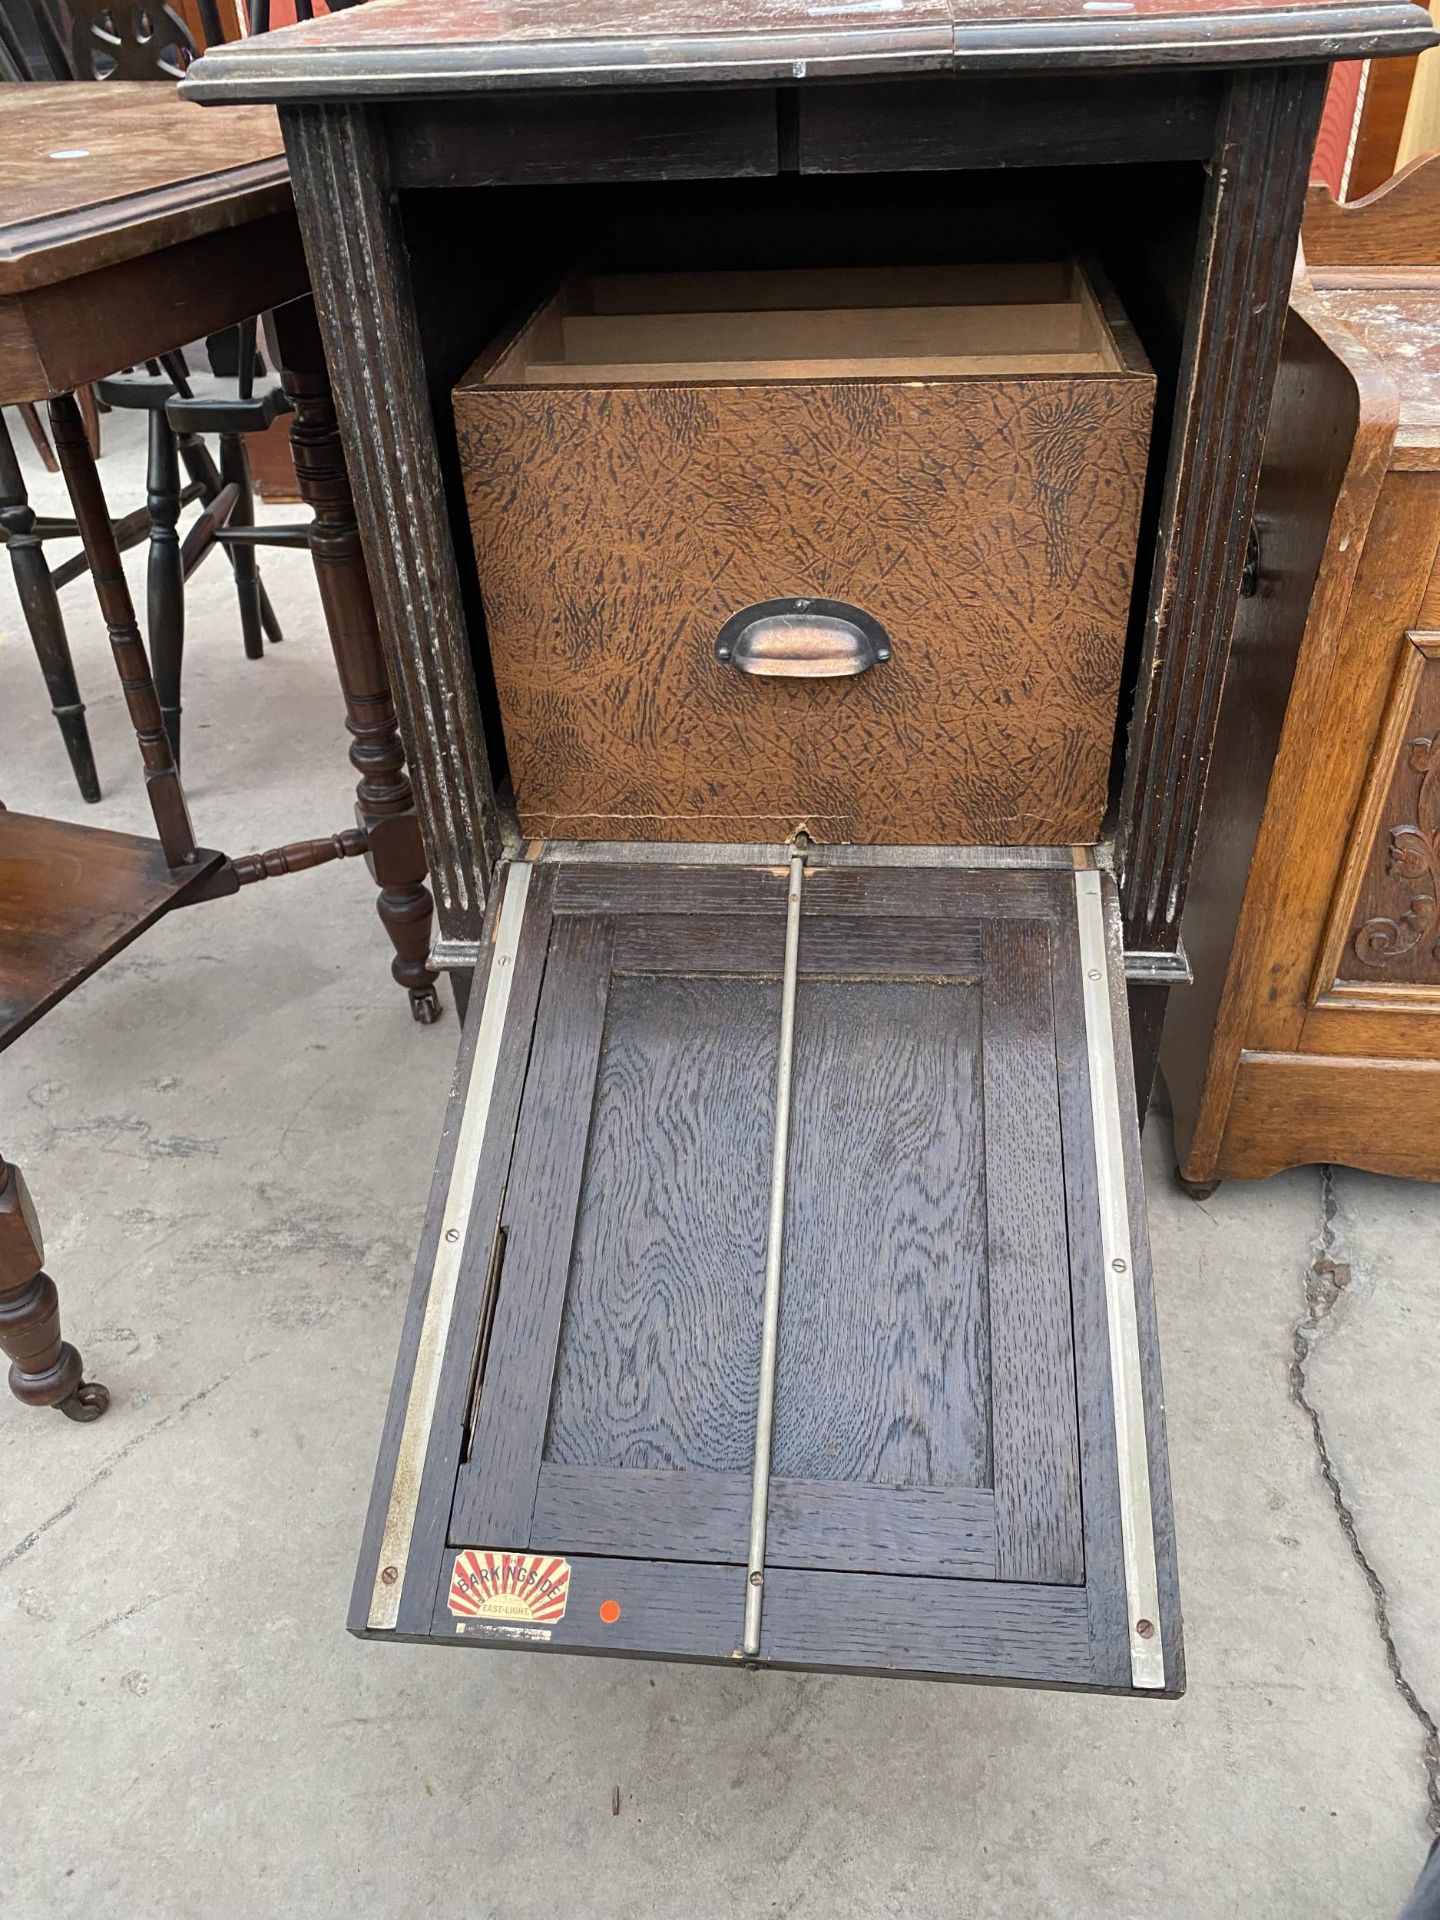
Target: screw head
pixel 1145 1629
pixel 757 1579
pixel 389 1575
pixel 1119 1266
pixel 452 1233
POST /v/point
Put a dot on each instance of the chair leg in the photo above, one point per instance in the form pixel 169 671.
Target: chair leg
pixel 235 470
pixel 385 805
pixel 39 439
pixel 200 466
pixel 45 1371
pixel 40 605
pixel 165 577
pixel 90 414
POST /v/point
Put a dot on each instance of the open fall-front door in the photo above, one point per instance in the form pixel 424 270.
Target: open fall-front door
pixel 967 1473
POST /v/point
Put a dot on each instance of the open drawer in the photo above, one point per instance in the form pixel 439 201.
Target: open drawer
pixel 784 1294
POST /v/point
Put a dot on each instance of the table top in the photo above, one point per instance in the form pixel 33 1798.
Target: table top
pixel 448 47
pixel 102 171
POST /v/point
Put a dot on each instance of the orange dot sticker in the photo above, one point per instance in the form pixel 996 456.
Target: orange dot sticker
pixel 609 1611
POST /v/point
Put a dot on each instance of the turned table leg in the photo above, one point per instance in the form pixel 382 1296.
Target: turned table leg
pixel 384 803
pixel 45 1371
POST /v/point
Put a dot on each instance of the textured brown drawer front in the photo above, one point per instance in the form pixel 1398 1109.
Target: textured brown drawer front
pixel 986 520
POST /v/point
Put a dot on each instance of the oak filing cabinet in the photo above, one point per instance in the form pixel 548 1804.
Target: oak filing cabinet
pixel 785 1297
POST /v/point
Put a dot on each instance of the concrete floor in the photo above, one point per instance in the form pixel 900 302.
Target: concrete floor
pixel 229 1134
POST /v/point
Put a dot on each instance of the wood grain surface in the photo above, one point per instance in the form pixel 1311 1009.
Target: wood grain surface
pixel 1293 1109
pixel 631 1233
pixel 627 1329
pixel 1394 226
pixel 988 525
pixel 660 1345
pixel 1032 1356
pixel 943 1532
pixel 884 1327
pixel 98 172
pixel 70 898
pixel 510 1419
pixel 441 46
pixel 1322 956
pixel 1330 434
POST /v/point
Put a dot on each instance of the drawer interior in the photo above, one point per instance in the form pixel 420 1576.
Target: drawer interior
pixel 964 1466
pixel 815 323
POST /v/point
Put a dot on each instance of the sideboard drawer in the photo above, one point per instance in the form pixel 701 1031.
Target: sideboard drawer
pixel 666 474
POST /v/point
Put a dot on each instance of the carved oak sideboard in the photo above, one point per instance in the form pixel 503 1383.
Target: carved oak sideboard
pixel 1313 1030
pixel 785 1296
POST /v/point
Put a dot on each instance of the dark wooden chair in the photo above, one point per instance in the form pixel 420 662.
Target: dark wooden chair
pixel 73 896
pixel 237 396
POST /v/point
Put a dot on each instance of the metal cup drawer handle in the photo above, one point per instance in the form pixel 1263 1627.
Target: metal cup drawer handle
pixel 802 640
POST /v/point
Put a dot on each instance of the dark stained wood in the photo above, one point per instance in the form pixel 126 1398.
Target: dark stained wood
pixel 951 893
pixel 384 802
pixel 539 44
pixel 1032 1365
pixel 620 1432
pixel 152 303
pixel 622 136
pixel 964 1630
pixel 162 781
pixel 450 1428
pixel 70 898
pixel 362 293
pixel 668 1257
pixel 45 1371
pixel 1225 295
pixel 944 1532
pixel 149 172
pixel 885 1331
pixel 494 1506
pixel 40 606
pixel 960 1628
pixel 617 528
pixel 912 126
pixel 165 574
pixel 1251 216
pixel 898 948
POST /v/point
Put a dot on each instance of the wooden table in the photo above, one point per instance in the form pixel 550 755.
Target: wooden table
pixel 942 1326
pixel 136 224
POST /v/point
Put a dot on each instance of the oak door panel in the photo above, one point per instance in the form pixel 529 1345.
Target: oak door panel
pixel 617 1401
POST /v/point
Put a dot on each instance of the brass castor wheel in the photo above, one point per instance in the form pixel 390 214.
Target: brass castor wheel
pixel 1197 1189
pixel 87 1402
pixel 424 1005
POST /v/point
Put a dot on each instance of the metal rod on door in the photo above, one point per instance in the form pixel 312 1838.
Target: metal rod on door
pixel 774 1248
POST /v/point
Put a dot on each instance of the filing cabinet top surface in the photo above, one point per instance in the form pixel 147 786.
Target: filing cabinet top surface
pixel 446 47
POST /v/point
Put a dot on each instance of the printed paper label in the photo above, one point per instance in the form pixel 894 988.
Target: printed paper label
pixel 519 1596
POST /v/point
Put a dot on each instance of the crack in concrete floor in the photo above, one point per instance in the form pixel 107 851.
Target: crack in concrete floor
pixel 1326 1280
